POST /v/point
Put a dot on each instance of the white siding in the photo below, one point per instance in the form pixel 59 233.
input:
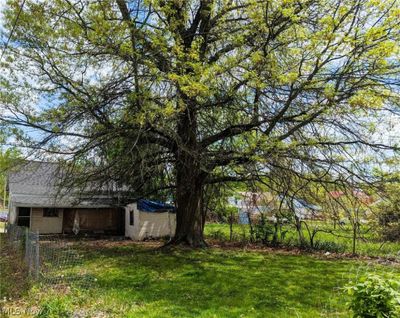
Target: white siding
pixel 46 225
pixel 149 224
pixel 153 225
pixel 131 230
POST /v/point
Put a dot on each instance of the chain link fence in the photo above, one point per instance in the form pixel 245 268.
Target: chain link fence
pixel 25 244
pixel 50 259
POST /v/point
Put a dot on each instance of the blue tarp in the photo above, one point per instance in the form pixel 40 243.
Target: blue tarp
pixel 154 206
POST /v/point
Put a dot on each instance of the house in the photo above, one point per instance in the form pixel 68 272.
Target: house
pixel 149 219
pixel 39 202
pixel 359 195
pixel 253 204
pixel 354 201
pixel 305 210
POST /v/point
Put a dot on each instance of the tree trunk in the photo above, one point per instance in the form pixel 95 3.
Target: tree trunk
pixel 355 226
pixel 230 226
pixel 189 218
pixel 275 235
pixel 299 229
pixel 189 184
pixel 354 240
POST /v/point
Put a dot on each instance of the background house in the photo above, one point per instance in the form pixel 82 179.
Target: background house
pixel 253 204
pixel 305 210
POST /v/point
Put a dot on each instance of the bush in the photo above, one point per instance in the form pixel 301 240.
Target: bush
pixel 222 214
pixel 263 231
pixel 389 224
pixel 391 233
pixel 328 246
pixel 218 235
pixel 374 297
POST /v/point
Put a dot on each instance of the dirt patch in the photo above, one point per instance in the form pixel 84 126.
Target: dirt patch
pixel 115 244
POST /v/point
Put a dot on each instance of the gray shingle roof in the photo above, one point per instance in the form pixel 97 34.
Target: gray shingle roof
pixel 34 178
pixel 38 184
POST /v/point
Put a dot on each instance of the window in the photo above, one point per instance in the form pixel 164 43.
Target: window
pixel 24 212
pixel 50 212
pixel 24 216
pixel 131 220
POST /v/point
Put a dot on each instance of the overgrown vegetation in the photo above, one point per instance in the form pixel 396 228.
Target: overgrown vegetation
pixel 389 213
pixel 332 240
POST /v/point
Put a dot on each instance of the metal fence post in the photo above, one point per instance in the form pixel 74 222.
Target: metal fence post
pixel 27 246
pixel 37 258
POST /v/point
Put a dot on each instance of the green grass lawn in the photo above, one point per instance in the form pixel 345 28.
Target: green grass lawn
pixel 369 246
pixel 125 279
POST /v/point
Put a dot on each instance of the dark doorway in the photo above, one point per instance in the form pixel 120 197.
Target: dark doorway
pixel 95 220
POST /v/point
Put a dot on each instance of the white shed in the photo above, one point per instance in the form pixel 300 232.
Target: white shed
pixel 148 219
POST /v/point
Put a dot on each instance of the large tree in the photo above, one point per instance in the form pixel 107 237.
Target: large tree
pixel 179 94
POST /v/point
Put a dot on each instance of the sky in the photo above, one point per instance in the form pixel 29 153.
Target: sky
pixel 2 4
